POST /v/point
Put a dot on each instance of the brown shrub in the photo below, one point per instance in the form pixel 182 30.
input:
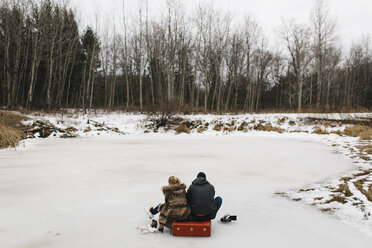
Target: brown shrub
pixel 319 130
pixel 328 124
pixel 202 129
pixel 362 131
pixel 228 129
pixel 362 156
pixel 182 128
pixel 326 209
pixel 217 127
pixel 337 132
pixel 282 120
pixel 11 119
pixel 359 185
pixel 363 173
pixel 87 130
pixel 337 198
pixel 305 190
pixel 71 129
pixel 231 124
pixel 365 148
pixel 344 189
pixel 10 136
pixel 268 128
pixel 242 126
pixel 11 129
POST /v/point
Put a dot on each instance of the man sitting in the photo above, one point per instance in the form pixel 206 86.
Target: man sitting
pixel 200 197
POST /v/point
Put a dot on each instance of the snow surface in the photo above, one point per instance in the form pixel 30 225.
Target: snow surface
pixel 90 191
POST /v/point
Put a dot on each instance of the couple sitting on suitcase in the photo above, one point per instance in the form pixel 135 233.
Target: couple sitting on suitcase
pixel 198 204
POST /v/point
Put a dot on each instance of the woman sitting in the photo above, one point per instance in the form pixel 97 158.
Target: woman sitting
pixel 175 207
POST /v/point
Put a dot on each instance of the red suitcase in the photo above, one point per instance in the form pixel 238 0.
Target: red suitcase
pixel 192 228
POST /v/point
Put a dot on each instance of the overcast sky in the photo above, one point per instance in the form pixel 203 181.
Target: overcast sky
pixel 354 17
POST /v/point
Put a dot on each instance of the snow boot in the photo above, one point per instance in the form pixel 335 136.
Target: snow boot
pixel 154 223
pixel 228 218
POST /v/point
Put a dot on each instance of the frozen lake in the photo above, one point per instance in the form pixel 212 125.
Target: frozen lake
pixel 90 192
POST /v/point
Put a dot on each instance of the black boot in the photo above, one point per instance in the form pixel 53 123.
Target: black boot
pixel 154 223
pixel 228 218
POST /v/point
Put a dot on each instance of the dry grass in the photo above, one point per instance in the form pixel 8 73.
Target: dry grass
pixel 228 129
pixel 365 148
pixel 337 198
pixel 87 130
pixel 10 136
pixel 281 194
pixel 11 129
pixel 326 209
pixel 217 127
pixel 71 129
pixel 10 119
pixel 337 132
pixel 364 157
pixel 182 128
pixel 306 190
pixel 292 123
pixel 297 131
pixel 362 131
pixel 344 189
pixel 319 130
pixel 242 126
pixel 363 173
pixel 231 124
pixel 331 124
pixel 281 120
pixel 202 129
pixel 359 185
pixel 268 128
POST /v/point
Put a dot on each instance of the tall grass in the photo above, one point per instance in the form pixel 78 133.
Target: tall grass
pixel 11 129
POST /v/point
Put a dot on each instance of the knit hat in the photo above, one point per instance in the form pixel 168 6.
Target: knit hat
pixel 173 180
pixel 202 174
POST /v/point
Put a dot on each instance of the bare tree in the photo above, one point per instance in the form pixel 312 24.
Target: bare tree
pixel 251 33
pixel 324 33
pixel 297 38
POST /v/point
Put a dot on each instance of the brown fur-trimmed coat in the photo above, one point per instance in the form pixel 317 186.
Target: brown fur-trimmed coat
pixel 175 206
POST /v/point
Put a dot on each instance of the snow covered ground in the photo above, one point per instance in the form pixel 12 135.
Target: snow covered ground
pixel 90 192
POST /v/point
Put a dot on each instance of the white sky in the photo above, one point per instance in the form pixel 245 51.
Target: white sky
pixel 354 17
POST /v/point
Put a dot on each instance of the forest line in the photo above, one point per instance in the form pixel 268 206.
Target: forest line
pixel 200 61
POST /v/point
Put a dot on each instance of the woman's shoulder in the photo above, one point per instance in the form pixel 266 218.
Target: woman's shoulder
pixel 174 187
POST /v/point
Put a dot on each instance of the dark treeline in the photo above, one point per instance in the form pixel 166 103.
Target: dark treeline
pixel 202 61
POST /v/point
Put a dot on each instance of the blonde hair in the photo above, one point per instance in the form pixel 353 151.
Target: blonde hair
pixel 174 180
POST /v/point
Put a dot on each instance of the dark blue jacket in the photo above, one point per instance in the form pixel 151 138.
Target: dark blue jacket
pixel 200 197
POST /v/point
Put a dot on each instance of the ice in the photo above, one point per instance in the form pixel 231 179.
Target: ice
pixel 90 191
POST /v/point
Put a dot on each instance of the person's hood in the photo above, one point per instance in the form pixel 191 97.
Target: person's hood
pixel 199 181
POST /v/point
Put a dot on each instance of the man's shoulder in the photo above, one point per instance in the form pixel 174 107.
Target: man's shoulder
pixel 209 185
